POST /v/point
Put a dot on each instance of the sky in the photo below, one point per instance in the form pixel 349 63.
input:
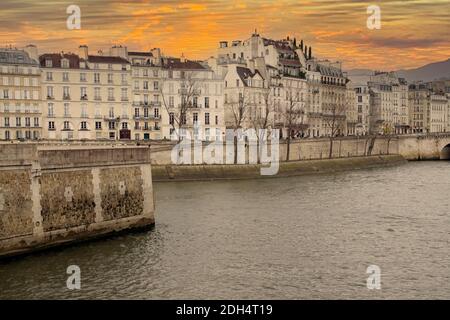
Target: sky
pixel 413 32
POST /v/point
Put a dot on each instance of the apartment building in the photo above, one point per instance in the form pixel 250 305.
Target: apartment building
pixel 274 69
pixel 87 96
pixel 351 111
pixel 20 96
pixel 438 113
pixel 363 108
pixel 418 108
pixel 146 91
pixel 192 100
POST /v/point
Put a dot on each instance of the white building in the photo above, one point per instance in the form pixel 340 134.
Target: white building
pixel 20 97
pixel 438 109
pixel 87 96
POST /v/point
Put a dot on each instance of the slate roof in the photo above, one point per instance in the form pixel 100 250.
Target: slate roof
pixel 74 60
pixel 15 56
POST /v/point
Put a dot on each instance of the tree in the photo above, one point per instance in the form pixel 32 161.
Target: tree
pixel 331 117
pixel 301 44
pixel 294 118
pixel 238 108
pixel 188 93
pixel 310 53
pixel 260 116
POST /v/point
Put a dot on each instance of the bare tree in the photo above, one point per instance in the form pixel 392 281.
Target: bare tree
pixel 260 116
pixel 188 93
pixel 334 117
pixel 238 107
pixel 294 119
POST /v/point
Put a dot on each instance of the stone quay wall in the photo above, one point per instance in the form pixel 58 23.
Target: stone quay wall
pixel 51 195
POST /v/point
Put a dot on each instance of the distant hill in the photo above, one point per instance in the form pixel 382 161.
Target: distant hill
pixel 429 72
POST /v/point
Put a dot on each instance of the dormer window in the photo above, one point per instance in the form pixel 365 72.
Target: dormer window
pixel 82 65
pixel 48 63
pixel 65 63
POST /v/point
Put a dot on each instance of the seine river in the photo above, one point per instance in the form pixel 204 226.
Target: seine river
pixel 289 238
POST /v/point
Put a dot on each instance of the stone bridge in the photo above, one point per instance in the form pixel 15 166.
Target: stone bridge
pixel 424 147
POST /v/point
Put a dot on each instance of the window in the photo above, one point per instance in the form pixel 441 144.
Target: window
pixel 65 63
pixel 217 120
pixel 97 94
pixel 50 92
pixel 136 112
pixel 48 63
pixel 146 112
pixel 96 77
pixel 65 76
pixel 83 92
pixel 49 76
pixel 111 94
pixel 83 125
pixel 207 118
pixel 66 93
pixel 27 122
pixel 110 78
pixel 83 77
pixel 156 113
pixel 84 111
pixel 206 102
pixel 156 85
pixel 195 118
pixel 36 122
pixel 6 94
pixel 98 125
pixel 145 85
pixel 171 101
pixel 7 122
pixel 171 118
pixel 124 94
pixel 18 122
pixel 7 135
pixel 66 125
pixel 111 125
pixel 50 110
pixel 125 125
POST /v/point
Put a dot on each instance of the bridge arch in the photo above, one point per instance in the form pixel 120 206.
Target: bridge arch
pixel 445 153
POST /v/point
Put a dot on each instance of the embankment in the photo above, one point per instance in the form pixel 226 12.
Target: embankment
pixel 55 195
pixel 252 171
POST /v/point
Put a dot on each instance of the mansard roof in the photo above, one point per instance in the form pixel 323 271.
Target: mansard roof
pixel 176 63
pixel 245 73
pixel 107 59
pixel 144 54
pixel 16 56
pixel 56 58
pixel 329 71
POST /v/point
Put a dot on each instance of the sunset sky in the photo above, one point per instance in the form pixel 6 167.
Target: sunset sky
pixel 413 32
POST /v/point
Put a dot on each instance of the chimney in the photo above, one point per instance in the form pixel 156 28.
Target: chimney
pixel 83 52
pixel 156 52
pixel 119 51
pixel 32 51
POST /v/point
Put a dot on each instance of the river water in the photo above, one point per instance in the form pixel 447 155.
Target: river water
pixel 288 238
